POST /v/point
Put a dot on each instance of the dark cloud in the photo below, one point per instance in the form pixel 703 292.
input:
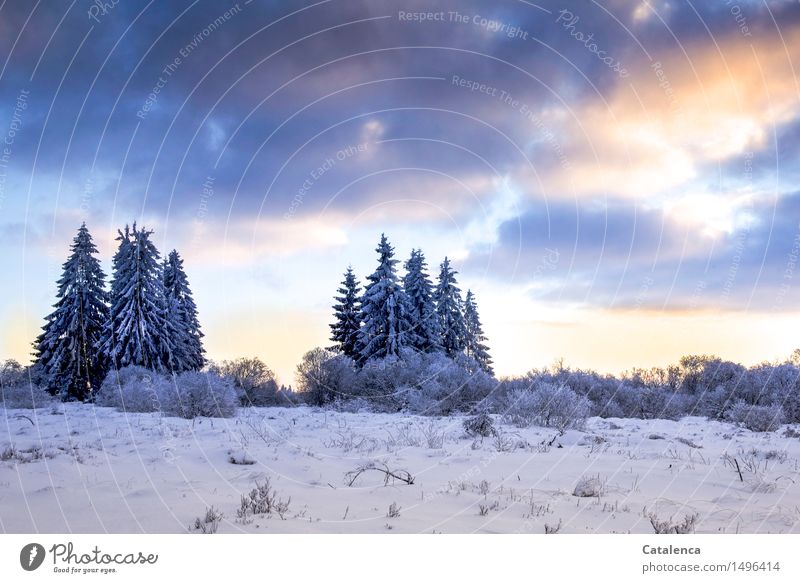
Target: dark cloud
pixel 623 256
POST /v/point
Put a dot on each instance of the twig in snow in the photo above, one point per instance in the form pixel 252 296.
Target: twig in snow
pixel 401 475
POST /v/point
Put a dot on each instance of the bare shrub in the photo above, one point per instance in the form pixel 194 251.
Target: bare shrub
pixel 480 425
pixel 589 487
pixel 27 455
pixel 348 440
pixel 552 529
pixel 240 458
pixel 403 437
pixel 262 501
pixel 668 527
pixel 322 375
pixel 208 524
pixel 503 442
pixel 394 510
pixel 434 437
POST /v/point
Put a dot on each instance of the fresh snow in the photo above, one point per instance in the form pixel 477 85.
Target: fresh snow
pixel 80 468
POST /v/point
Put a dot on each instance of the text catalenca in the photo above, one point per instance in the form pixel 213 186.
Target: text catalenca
pixel 670 550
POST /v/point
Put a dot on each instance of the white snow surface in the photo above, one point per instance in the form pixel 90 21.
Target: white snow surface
pixel 77 468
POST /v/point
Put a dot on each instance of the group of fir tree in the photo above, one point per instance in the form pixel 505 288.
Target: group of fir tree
pixel 148 318
pixel 392 314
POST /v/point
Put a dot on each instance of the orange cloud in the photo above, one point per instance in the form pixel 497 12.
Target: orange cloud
pixel 679 111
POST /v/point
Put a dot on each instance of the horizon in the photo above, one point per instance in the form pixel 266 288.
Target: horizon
pixel 618 212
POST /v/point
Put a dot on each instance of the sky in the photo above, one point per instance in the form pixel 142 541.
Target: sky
pixel 618 182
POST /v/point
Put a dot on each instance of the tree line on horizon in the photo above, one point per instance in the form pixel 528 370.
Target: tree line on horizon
pixel 148 318
pixel 403 344
pixel 394 313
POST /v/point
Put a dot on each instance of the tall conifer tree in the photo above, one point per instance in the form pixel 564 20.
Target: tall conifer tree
pixel 419 289
pixel 385 310
pixel 449 310
pixel 474 341
pixel 137 331
pixel 345 330
pixel 65 350
pixel 181 313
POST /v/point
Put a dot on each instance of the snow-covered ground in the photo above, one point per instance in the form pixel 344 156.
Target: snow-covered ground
pixel 79 468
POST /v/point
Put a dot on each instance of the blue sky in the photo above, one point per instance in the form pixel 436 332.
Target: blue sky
pixel 617 181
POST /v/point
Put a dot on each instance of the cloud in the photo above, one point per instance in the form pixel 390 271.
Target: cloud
pixel 626 256
pixel 678 117
pixel 248 241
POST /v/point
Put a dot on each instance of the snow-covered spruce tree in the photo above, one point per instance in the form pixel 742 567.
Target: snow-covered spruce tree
pixel 449 310
pixel 419 289
pixel 345 330
pixel 181 312
pixel 474 338
pixel 137 331
pixel 65 350
pixel 385 311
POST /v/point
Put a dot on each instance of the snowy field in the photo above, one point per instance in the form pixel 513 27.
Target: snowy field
pixel 78 468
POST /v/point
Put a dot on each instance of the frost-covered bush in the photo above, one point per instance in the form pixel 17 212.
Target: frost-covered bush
pixel 200 394
pixel 253 380
pixel 480 425
pixel 445 385
pixel 658 403
pixel 190 394
pixel 385 382
pixel 134 389
pixel 668 527
pixel 589 487
pixel 429 384
pixel 625 398
pixel 722 373
pixel 547 405
pixel 779 385
pixel 790 403
pixel 324 375
pixel 356 405
pixel 436 384
pixel 18 390
pixel 716 403
pixel 608 408
pixel 756 417
pixel 762 384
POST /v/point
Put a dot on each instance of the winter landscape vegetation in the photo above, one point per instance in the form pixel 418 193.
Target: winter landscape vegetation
pixel 122 424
